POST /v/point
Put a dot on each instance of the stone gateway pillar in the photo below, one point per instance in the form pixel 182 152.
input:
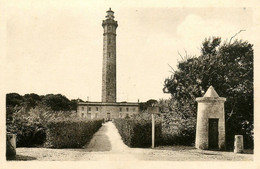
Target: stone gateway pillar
pixel 210 131
pixel 10 145
pixel 238 144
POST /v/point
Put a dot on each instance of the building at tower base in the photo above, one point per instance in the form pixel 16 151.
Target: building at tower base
pixel 108 111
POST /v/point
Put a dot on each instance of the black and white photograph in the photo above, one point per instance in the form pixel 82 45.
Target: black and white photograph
pixel 129 84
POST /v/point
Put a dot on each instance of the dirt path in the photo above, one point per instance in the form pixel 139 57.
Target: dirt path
pixel 108 141
pixel 107 145
pixel 100 140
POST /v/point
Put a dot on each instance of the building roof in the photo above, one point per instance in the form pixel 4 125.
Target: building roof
pixel 108 104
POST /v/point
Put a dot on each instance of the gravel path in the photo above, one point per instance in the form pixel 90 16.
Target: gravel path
pixel 107 145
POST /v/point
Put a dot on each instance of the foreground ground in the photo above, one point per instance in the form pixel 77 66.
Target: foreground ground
pixel 107 145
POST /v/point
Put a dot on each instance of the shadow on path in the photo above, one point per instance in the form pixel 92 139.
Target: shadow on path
pixel 21 158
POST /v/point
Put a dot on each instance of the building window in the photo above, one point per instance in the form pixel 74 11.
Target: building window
pixel 89 115
pixel 96 108
pixel 108 93
pixel 108 80
pixel 134 109
pixel 127 109
pixel 120 109
pixel 82 115
pixel 109 54
pixel 89 109
pixel 109 41
pixel 96 115
pixel 82 108
pixel 109 67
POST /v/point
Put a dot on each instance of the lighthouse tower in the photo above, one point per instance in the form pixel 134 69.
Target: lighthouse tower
pixel 109 108
pixel 109 58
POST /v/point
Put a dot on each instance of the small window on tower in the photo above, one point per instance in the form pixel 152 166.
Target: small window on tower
pixel 89 109
pixel 108 80
pixel 120 108
pixel 127 109
pixel 109 67
pixel 109 41
pixel 108 93
pixel 109 54
pixel 82 108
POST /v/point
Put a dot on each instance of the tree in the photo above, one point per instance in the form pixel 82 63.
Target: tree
pixel 57 102
pixel 31 100
pixel 74 103
pixel 229 68
pixel 143 106
pixel 14 99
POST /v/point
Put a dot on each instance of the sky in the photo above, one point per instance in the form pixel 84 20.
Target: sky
pixel 56 46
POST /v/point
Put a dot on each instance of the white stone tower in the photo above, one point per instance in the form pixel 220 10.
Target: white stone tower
pixel 109 58
pixel 210 131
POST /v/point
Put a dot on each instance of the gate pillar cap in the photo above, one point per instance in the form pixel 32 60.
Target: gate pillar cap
pixel 210 95
pixel 211 92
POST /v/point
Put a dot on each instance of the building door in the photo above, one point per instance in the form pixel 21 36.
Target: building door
pixel 213 133
pixel 108 116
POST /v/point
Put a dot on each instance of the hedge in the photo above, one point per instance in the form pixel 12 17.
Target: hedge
pixel 31 127
pixel 70 134
pixel 171 129
pixel 137 133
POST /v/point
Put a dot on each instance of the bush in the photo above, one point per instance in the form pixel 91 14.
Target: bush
pixel 30 135
pixel 28 127
pixel 177 131
pixel 176 128
pixel 137 132
pixel 70 134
